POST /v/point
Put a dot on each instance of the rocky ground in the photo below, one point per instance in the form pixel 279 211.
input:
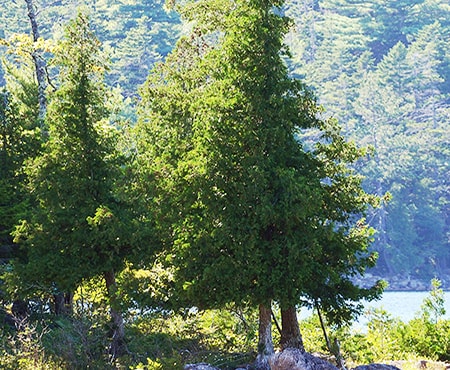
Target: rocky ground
pixel 294 359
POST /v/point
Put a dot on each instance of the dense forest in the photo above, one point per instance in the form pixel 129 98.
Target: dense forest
pixel 221 162
pixel 382 69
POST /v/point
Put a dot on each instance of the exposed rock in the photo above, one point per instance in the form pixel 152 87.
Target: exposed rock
pixel 200 366
pixel 261 363
pixel 294 359
pixel 376 367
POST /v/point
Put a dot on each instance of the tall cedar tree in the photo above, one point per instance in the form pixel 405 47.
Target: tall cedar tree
pixel 82 227
pixel 253 215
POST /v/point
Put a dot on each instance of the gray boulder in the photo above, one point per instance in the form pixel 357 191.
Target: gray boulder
pixel 294 359
pixel 376 367
pixel 200 366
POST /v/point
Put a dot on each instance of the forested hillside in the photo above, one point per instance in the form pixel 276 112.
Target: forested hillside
pixel 135 34
pixel 381 68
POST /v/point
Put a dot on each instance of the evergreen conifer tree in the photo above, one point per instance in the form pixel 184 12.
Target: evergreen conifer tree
pixel 83 227
pixel 252 212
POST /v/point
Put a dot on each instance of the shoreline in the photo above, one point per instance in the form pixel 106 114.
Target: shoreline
pixel 399 283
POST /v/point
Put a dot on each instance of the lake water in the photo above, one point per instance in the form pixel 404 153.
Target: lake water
pixel 405 305
pixel 402 305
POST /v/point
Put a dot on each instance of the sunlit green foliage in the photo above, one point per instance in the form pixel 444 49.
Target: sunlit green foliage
pixel 365 59
pixel 82 226
pixel 220 337
pixel 252 214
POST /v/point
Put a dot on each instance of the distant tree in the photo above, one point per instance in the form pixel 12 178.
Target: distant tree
pixel 400 106
pixel 305 14
pixel 389 23
pixel 138 53
pixel 138 34
pixel 389 90
pixel 423 60
pixel 323 60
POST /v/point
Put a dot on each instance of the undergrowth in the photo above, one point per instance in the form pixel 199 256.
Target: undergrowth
pixel 227 338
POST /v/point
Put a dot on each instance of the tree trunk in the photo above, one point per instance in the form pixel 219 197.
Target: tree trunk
pixel 265 343
pixel 290 330
pixel 117 332
pixel 39 63
pixel 336 350
pixel 63 303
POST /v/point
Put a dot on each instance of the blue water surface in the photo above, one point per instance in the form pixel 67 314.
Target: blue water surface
pixel 401 305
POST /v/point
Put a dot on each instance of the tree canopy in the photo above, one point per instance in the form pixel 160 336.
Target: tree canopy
pixel 254 215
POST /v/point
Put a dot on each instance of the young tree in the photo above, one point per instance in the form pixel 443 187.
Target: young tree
pixel 21 140
pixel 83 227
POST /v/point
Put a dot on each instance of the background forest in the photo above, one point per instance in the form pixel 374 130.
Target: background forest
pixel 382 68
pixel 167 184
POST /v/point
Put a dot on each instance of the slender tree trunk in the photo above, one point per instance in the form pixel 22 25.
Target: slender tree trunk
pixel 39 63
pixel 290 330
pixel 63 303
pixel 265 343
pixel 117 333
pixel 334 350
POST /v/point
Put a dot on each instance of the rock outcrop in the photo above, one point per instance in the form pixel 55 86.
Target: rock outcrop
pixel 376 367
pixel 294 359
pixel 201 366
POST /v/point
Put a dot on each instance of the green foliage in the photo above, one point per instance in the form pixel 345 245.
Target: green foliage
pixel 25 349
pixel 82 225
pixel 253 190
pixel 19 141
pixel 313 338
pixel 220 337
pixel 137 34
pixel 249 208
pixel 433 305
pixel 426 338
pixel 63 179
pixel 381 338
pixel 381 68
pixel 223 338
pixel 387 339
pixel 79 342
pixel 9 165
